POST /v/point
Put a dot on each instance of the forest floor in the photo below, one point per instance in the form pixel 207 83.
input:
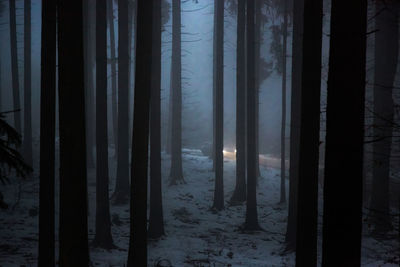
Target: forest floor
pixel 195 235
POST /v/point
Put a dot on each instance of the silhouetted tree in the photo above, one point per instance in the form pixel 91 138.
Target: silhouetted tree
pixel 121 193
pixel 176 174
pixel 46 256
pixel 297 43
pixel 219 105
pixel 138 238
pixel 27 140
pixel 342 222
pixel 257 61
pixel 156 218
pixel 14 66
pixel 239 195
pixel 306 253
pixel 73 233
pixel 386 55
pixel 251 222
pixel 103 237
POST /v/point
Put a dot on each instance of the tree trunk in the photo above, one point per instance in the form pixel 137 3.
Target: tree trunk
pixel 156 218
pixel 307 221
pixel 103 236
pixel 297 44
pixel 239 195
pixel 344 135
pixel 258 38
pixel 219 111
pixel 138 238
pixel 283 123
pixel 121 193
pixel 46 256
pixel 386 55
pixel 176 174
pixel 251 222
pixel 14 67
pixel 27 141
pixel 73 232
pixel 110 12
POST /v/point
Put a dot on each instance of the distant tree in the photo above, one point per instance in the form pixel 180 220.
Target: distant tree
pixel 46 256
pixel 73 233
pixel 283 121
pixel 176 174
pixel 386 55
pixel 27 140
pixel 251 222
pixel 103 237
pixel 137 255
pixel 14 66
pixel 239 194
pixel 342 219
pixel 219 105
pixel 121 193
pixel 307 220
pixel 156 218
pixel 297 43
pixel 110 16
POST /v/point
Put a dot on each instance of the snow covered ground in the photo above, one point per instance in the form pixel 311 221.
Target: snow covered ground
pixel 195 236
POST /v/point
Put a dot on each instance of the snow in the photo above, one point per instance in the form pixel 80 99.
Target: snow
pixel 195 235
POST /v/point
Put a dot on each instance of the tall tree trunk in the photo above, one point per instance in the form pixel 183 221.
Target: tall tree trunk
pixel 14 67
pixel 138 238
pixel 110 13
pixel 239 195
pixel 46 256
pixel 121 193
pixel 156 218
pixel 251 222
pixel 344 135
pixel 290 237
pixel 176 174
pixel 27 141
pixel 307 221
pixel 219 112
pixel 386 55
pixel 103 236
pixel 73 232
pixel 258 38
pixel 283 123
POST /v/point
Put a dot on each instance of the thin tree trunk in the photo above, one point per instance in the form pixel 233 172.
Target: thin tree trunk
pixel 110 12
pixel 239 195
pixel 307 221
pixel 251 222
pixel 258 38
pixel 283 125
pixel 386 55
pixel 27 140
pixel 342 219
pixel 121 193
pixel 73 233
pixel 14 67
pixel 290 237
pixel 156 218
pixel 103 236
pixel 219 112
pixel 176 174
pixel 46 256
pixel 138 238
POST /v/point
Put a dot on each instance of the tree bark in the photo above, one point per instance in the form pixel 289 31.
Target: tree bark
pixel 176 175
pixel 307 220
pixel 46 256
pixel 73 233
pixel 14 67
pixel 138 238
pixel 156 218
pixel 342 218
pixel 103 236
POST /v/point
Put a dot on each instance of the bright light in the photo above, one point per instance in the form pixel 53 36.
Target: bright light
pixel 224 151
pixel 235 150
